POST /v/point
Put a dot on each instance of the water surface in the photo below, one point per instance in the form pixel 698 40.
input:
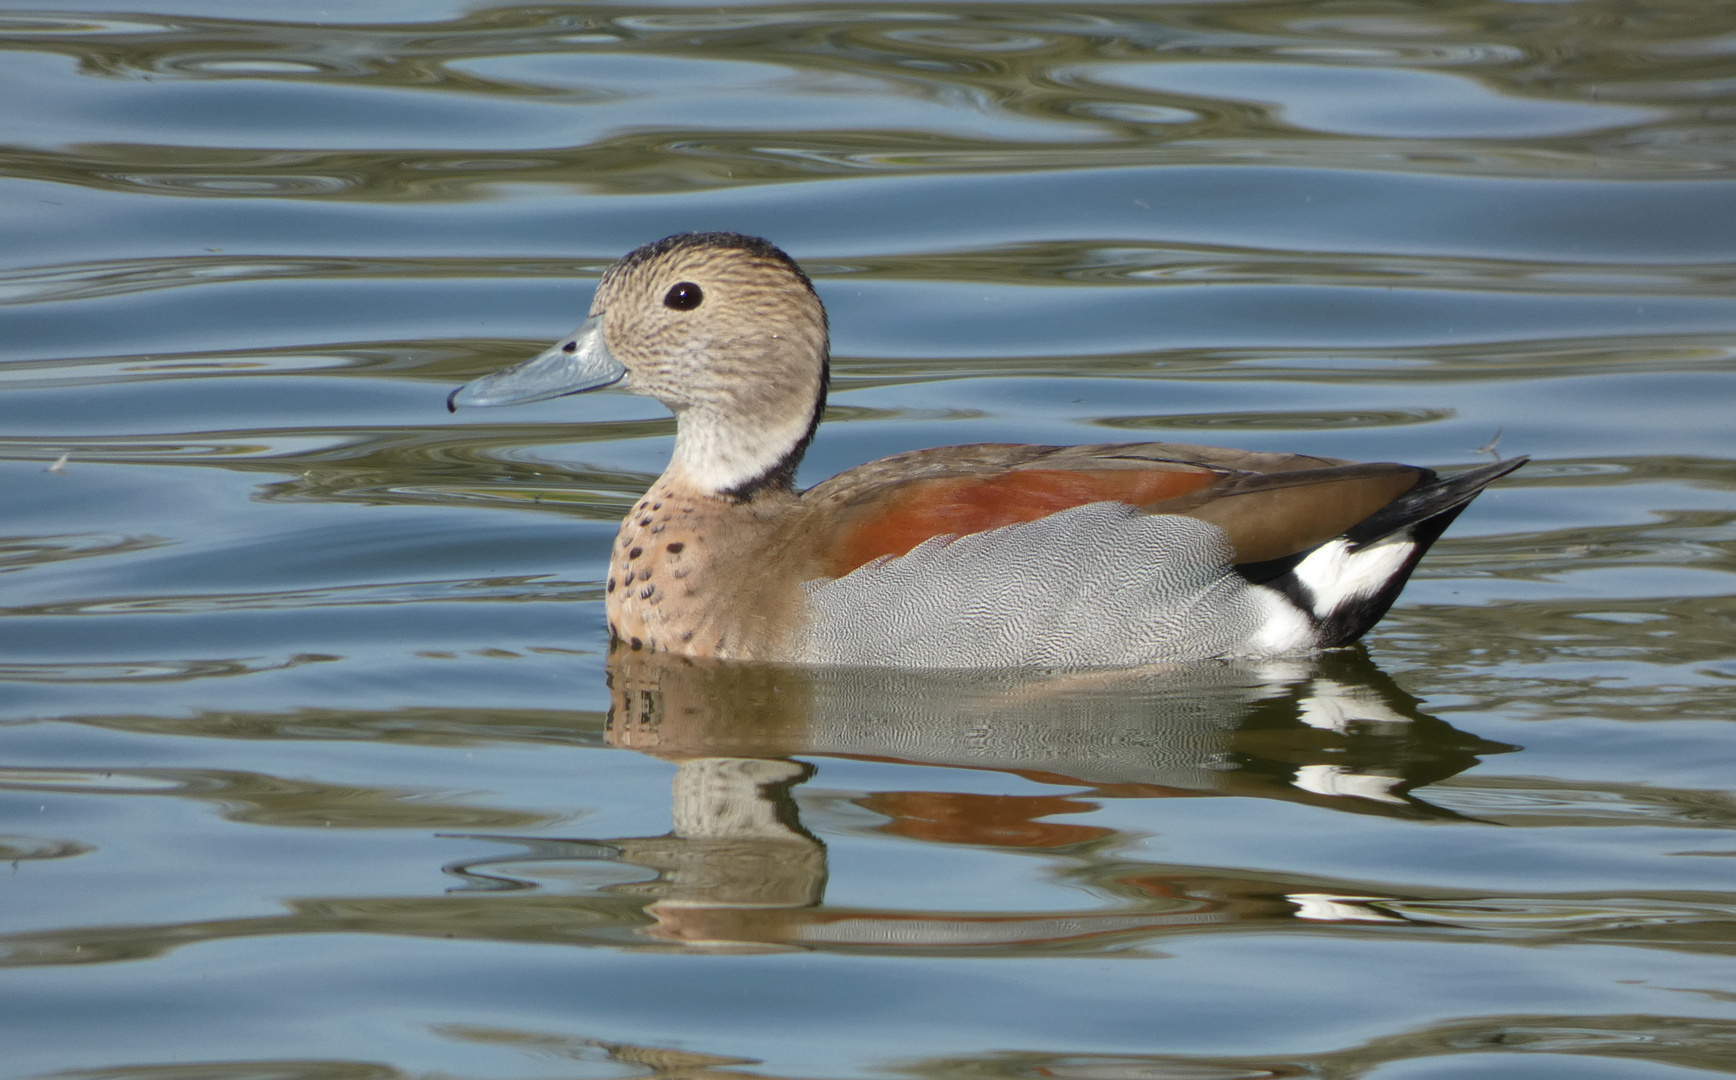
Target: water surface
pixel 313 763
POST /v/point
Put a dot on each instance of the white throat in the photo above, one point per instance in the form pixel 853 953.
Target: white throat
pixel 718 455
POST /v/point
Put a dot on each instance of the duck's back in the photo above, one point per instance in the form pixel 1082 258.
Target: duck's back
pixel 1105 555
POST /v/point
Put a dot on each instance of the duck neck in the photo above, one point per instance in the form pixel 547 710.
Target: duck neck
pixel 727 457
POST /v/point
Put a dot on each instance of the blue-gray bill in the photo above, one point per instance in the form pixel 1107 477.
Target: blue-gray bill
pixel 578 362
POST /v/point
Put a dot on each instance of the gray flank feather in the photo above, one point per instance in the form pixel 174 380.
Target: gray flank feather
pixel 1095 585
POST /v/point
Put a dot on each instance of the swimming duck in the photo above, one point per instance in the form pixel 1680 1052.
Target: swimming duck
pixel 989 555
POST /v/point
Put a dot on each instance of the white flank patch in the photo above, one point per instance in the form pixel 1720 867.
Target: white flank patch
pixel 1285 629
pixel 1335 575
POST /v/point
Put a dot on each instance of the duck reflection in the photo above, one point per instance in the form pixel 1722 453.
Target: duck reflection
pixel 739 871
pixel 1333 731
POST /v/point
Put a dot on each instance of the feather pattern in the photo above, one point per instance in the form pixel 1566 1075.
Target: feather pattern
pixel 994 555
pixel 1099 584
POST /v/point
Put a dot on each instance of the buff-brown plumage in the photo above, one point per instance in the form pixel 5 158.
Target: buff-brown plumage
pixel 958 556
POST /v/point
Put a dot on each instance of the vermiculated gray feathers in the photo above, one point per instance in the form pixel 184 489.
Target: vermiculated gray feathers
pixel 1134 589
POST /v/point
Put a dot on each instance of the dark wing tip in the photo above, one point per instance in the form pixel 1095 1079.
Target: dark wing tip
pixel 1421 515
pixel 1434 499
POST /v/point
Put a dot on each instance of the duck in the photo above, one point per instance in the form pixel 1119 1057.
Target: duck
pixel 980 556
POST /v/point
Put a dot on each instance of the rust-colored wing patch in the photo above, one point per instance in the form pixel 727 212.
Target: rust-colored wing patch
pixel 910 513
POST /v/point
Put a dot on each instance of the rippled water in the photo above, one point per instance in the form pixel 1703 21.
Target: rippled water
pixel 312 763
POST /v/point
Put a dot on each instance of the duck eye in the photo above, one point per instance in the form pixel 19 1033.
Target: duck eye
pixel 684 296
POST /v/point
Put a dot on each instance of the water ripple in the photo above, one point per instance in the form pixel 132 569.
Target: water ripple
pixel 283 677
pixel 152 671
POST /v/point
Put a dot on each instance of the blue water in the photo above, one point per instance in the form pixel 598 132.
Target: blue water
pixel 313 763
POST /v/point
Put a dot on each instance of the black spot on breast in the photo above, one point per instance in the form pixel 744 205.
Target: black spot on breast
pixel 628 580
pixel 675 547
pixel 611 585
pixel 644 521
pixel 687 637
pixel 635 553
pixel 645 593
pixel 679 574
pixel 635 643
pixel 656 506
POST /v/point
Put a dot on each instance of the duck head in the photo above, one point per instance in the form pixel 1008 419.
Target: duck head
pixel 723 329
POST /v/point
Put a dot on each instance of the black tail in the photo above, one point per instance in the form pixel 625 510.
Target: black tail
pixel 1416 518
pixel 1425 511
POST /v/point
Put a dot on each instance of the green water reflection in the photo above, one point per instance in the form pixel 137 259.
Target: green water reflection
pixel 1570 87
